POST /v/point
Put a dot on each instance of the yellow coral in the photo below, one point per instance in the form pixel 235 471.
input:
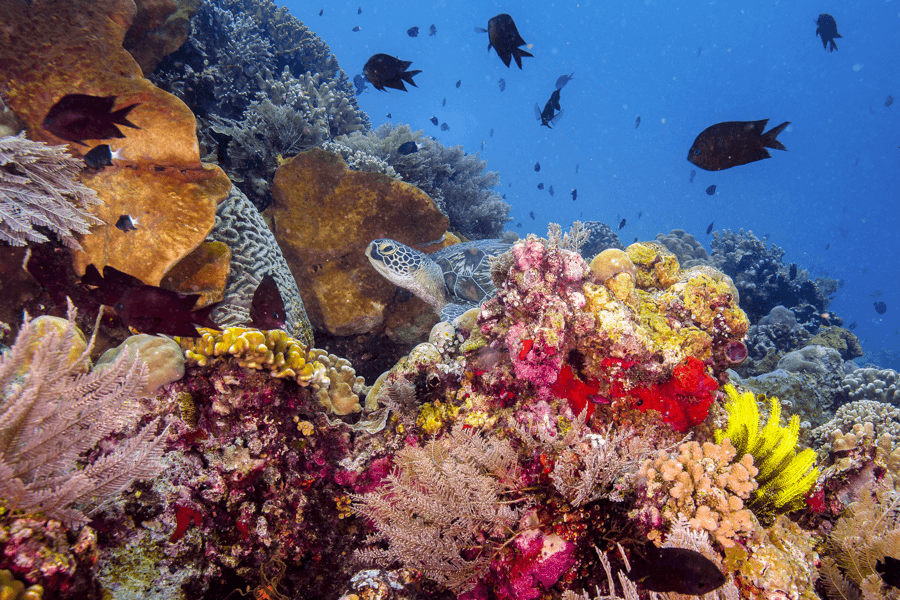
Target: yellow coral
pixel 274 351
pixel 785 476
pixel 13 589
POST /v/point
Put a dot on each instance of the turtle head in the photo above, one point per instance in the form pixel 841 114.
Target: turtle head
pixel 409 269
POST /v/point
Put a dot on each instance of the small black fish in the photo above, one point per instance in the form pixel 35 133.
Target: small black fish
pixel 640 214
pixel 676 570
pixel 733 143
pixel 407 148
pixel 100 156
pixel 880 307
pixel 537 166
pixel 711 190
pixel 505 39
pixel 827 29
pixel 413 32
pixel 492 132
pixel 444 103
pixel 852 326
pixel 637 122
pixel 458 83
pixel 78 117
pixel 693 174
pixel 383 70
pixel 828 245
pixel 710 228
pixel 388 115
pixel 434 120
pixel 519 225
pixel 359 82
pixel 792 272
pixel 574 194
pixel 621 224
pixel 887 102
pixel 563 80
pixel 547 116
pixel 502 84
pixel 321 11
pixel 576 168
pixel 699 51
pixel 359 10
pixel 432 30
pixel 550 189
pixel 531 214
pixel 355 29
pixel 267 307
pixel 126 223
pixel 445 127
pixel 540 186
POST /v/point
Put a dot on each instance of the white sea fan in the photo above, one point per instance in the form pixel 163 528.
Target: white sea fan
pixel 39 186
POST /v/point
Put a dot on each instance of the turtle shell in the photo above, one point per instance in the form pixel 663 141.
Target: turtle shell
pixel 467 269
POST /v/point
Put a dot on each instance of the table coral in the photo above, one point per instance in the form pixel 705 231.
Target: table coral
pixel 702 482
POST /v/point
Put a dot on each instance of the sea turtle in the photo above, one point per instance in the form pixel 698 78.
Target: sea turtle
pixel 452 280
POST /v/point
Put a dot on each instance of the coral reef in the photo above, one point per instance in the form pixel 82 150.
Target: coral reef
pixel 784 476
pixel 601 237
pixel 254 254
pixel 685 247
pixel 159 28
pixel 325 215
pixel 160 159
pixel 842 340
pixel 40 188
pixel 454 179
pixel 263 85
pixel 878 385
pixel 703 483
pixel 764 281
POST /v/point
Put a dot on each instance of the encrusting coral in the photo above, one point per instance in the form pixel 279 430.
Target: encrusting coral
pixel 785 476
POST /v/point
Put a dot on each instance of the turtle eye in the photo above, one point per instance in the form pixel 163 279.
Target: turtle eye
pixel 387 248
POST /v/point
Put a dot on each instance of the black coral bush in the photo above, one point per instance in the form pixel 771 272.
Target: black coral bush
pixel 53 411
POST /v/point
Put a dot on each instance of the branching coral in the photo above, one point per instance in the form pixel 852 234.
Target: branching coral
pixel 785 476
pixel 702 483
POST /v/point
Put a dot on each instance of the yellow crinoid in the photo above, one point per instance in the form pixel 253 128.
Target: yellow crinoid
pixel 785 476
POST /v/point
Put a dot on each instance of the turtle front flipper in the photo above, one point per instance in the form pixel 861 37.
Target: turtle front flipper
pixel 410 269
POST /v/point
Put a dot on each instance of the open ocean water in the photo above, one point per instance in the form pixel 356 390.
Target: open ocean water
pixel 832 201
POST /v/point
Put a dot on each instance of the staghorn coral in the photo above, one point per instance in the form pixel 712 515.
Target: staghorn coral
pixel 455 180
pixel 701 482
pixel 446 509
pixel 784 475
pixel 53 411
pixel 254 254
pixel 39 186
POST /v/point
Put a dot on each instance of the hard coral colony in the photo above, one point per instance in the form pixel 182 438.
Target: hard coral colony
pixel 526 450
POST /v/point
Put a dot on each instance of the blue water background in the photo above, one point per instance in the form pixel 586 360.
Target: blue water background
pixel 680 66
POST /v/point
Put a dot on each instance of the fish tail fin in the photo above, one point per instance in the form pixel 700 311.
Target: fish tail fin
pixel 768 138
pixel 202 316
pixel 120 116
pixel 518 54
pixel 833 45
pixel 408 77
